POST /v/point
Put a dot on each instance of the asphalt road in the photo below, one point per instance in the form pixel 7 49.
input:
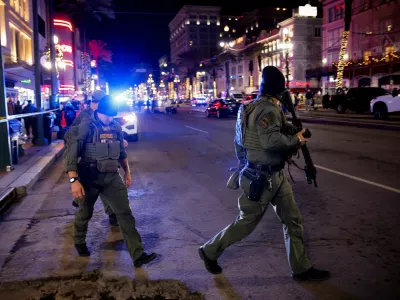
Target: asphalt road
pixel 180 168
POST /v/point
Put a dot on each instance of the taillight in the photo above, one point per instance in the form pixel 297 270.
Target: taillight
pixel 224 106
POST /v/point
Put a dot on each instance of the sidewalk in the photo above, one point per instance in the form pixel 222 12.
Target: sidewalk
pixel 25 174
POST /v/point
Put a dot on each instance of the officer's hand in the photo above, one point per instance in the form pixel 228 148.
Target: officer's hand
pixel 77 190
pixel 303 140
pixel 128 179
pixel 125 143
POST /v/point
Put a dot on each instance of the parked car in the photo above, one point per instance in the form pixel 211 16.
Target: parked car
pixel 218 108
pixel 237 97
pixel 197 101
pixel 250 97
pixel 384 105
pixel 233 106
pixel 129 122
pixel 356 99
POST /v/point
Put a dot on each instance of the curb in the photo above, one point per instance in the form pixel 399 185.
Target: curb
pixel 19 187
pixel 338 122
pixel 349 124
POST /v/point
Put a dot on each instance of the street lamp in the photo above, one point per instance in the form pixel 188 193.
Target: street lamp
pixel 287 45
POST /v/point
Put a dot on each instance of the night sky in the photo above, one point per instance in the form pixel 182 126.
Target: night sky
pixel 140 33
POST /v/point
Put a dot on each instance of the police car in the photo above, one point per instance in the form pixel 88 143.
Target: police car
pixel 129 122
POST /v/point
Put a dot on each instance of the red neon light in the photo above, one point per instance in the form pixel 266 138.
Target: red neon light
pixel 67 85
pixel 68 63
pixel 63 23
pixel 64 48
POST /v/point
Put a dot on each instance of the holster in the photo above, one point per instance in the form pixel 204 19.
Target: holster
pixel 233 181
pixel 257 184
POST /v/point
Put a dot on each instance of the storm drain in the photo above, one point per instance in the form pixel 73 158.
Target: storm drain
pixel 97 286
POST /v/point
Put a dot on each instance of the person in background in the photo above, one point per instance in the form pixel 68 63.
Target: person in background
pixel 309 97
pixel 18 108
pixel 29 121
pixel 10 107
pixel 325 101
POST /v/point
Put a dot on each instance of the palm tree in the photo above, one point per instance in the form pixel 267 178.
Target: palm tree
pixel 343 47
pixel 77 9
pixel 99 52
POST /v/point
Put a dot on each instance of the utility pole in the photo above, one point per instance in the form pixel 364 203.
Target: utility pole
pixel 54 81
pixel 39 138
pixel 5 147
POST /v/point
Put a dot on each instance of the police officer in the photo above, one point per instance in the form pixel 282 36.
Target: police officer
pixel 98 142
pixel 88 114
pixel 262 149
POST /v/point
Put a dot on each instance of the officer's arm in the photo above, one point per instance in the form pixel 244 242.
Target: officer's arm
pixel 74 147
pixel 123 157
pixel 240 154
pixel 269 130
pixel 78 119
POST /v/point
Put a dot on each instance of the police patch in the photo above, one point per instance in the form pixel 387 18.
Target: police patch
pixel 106 136
pixel 264 123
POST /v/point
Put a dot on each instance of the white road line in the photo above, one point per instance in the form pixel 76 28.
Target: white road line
pixel 360 179
pixel 196 129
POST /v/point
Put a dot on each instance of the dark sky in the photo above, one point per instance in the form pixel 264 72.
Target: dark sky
pixel 140 33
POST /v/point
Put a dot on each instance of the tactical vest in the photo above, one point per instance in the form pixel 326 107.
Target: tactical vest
pixel 104 150
pixel 245 136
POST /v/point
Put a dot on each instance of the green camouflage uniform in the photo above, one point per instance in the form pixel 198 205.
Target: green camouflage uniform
pixel 260 140
pixel 99 149
pixel 88 114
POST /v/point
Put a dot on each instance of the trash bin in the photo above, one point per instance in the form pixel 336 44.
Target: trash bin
pixel 14 150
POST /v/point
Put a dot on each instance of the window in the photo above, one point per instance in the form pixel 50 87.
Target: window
pixel 42 27
pixel 240 69
pixel 233 82
pixel 233 71
pixel 367 55
pixel 389 50
pixel 335 13
pixel 21 46
pixel 240 81
pixel 317 32
pixel 3 32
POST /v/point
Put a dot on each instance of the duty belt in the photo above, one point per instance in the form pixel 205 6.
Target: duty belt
pixel 264 168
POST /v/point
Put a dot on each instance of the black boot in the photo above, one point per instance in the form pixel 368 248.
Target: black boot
pixel 113 220
pixel 312 275
pixel 82 249
pixel 144 259
pixel 211 265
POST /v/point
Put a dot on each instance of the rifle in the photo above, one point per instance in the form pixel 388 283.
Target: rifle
pixel 309 168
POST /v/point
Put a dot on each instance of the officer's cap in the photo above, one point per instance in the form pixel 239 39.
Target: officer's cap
pixel 97 95
pixel 272 82
pixel 107 106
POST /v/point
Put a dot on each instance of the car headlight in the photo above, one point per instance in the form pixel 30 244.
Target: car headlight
pixel 130 118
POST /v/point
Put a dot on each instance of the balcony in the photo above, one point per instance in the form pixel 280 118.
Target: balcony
pixel 17 69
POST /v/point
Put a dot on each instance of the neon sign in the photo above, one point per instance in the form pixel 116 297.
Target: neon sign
pixel 308 11
pixel 64 48
pixel 63 23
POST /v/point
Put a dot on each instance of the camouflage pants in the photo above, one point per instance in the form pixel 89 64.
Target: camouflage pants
pixel 111 186
pixel 251 212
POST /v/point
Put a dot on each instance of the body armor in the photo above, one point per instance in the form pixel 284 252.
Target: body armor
pixel 104 150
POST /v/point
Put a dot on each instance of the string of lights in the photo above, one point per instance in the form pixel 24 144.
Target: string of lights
pixel 340 66
pixel 369 60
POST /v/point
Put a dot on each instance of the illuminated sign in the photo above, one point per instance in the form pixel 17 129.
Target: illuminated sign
pixel 63 23
pixel 308 11
pixel 64 48
pixel 27 81
pixel 93 64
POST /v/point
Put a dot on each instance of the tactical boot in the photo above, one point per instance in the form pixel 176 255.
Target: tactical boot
pixel 113 220
pixel 82 249
pixel 312 275
pixel 75 204
pixel 144 259
pixel 211 265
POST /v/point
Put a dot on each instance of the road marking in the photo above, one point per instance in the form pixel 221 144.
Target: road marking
pixel 360 179
pixel 196 129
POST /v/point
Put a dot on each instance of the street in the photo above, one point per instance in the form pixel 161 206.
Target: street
pixel 179 199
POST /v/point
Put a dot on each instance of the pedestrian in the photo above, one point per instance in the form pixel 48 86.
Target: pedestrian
pixel 18 108
pixel 84 116
pixel 296 100
pixel 99 145
pixel 262 149
pixel 325 101
pixel 309 97
pixel 29 121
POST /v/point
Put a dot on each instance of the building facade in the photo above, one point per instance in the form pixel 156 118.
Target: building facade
pixel 372 57
pixel 194 27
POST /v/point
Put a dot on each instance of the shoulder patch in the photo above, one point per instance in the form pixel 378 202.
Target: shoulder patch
pixel 264 122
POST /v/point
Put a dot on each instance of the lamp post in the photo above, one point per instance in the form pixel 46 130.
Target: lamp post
pixel 226 46
pixel 286 46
